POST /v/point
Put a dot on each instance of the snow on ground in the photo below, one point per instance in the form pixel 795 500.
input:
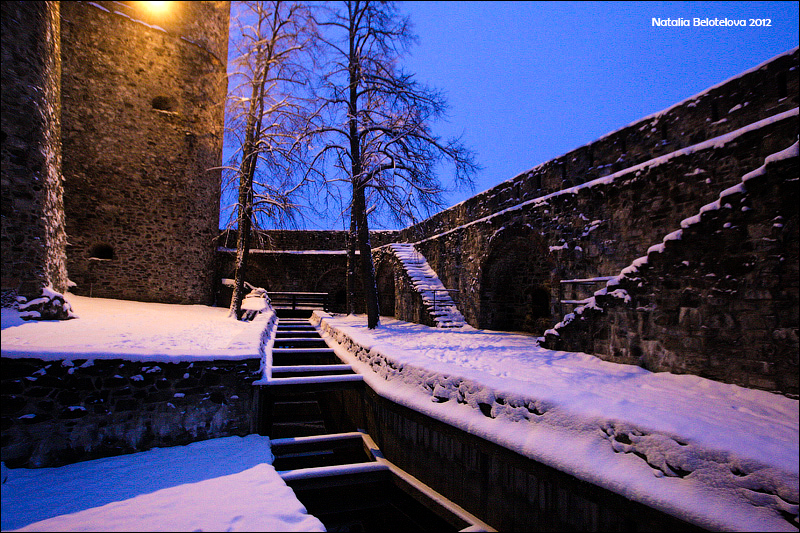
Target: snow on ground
pixel 225 484
pixel 136 331
pixel 718 455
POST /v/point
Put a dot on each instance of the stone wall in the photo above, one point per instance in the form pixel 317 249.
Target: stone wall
pixel 143 101
pixel 507 250
pixel 763 91
pixel 397 296
pixel 278 240
pixel 33 236
pixel 721 301
pixel 321 267
pixel 510 491
pixel 62 411
pixel 508 267
pixel 517 251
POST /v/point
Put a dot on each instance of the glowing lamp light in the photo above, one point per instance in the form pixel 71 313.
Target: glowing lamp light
pixel 157 8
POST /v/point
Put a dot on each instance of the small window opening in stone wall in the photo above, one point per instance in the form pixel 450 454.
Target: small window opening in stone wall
pixel 563 171
pixel 714 112
pixel 663 131
pixel 164 103
pixel 101 251
pixel 623 146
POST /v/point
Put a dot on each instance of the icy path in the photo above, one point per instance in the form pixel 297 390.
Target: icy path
pixel 434 294
pixel 718 455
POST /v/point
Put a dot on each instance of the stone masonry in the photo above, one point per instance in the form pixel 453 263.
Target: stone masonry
pixel 143 101
pixel 719 298
pixel 62 411
pixel 33 235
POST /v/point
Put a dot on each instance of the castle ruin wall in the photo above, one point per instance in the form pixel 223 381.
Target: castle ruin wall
pixel 143 103
pixel 33 234
pixel 763 91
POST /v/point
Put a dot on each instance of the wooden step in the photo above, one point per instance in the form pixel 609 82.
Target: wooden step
pixel 299 342
pixel 311 370
pixel 279 385
pixel 292 357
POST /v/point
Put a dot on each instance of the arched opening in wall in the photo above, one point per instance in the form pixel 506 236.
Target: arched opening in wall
pixel 386 287
pixel 515 283
pixel 101 251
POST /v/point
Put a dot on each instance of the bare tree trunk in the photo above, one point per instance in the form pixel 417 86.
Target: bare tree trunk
pixel 364 248
pixel 352 242
pixel 246 177
pixel 242 254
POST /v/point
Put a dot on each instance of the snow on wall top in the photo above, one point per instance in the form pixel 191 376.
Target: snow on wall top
pixel 134 331
pixel 717 455
pixel 716 142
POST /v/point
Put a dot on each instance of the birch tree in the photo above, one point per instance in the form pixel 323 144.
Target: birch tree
pixel 266 118
pixel 375 124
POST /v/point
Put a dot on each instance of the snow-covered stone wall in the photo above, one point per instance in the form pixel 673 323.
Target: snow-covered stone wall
pixel 33 237
pixel 758 93
pixel 142 102
pixel 528 252
pixel 61 411
pixel 719 296
pixel 510 265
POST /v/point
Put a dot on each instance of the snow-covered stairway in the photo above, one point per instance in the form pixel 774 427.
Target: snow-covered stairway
pixel 435 297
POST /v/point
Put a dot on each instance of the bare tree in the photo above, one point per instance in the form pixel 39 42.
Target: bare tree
pixel 375 122
pixel 266 118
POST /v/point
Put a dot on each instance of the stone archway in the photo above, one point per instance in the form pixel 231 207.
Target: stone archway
pixel 516 283
pixel 385 280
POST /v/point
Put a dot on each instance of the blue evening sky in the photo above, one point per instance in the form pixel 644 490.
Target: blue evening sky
pixel 530 81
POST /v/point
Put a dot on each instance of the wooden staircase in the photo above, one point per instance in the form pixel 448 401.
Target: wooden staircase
pixel 341 478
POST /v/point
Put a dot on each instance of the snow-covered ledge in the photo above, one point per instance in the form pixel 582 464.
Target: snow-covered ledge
pixel 716 455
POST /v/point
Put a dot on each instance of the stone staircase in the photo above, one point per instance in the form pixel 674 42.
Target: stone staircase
pixel 435 296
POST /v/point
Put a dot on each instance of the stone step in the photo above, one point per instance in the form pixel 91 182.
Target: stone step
pixel 311 370
pixel 317 451
pixel 299 384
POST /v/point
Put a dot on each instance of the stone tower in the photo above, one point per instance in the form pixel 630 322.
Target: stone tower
pixel 33 238
pixel 142 96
